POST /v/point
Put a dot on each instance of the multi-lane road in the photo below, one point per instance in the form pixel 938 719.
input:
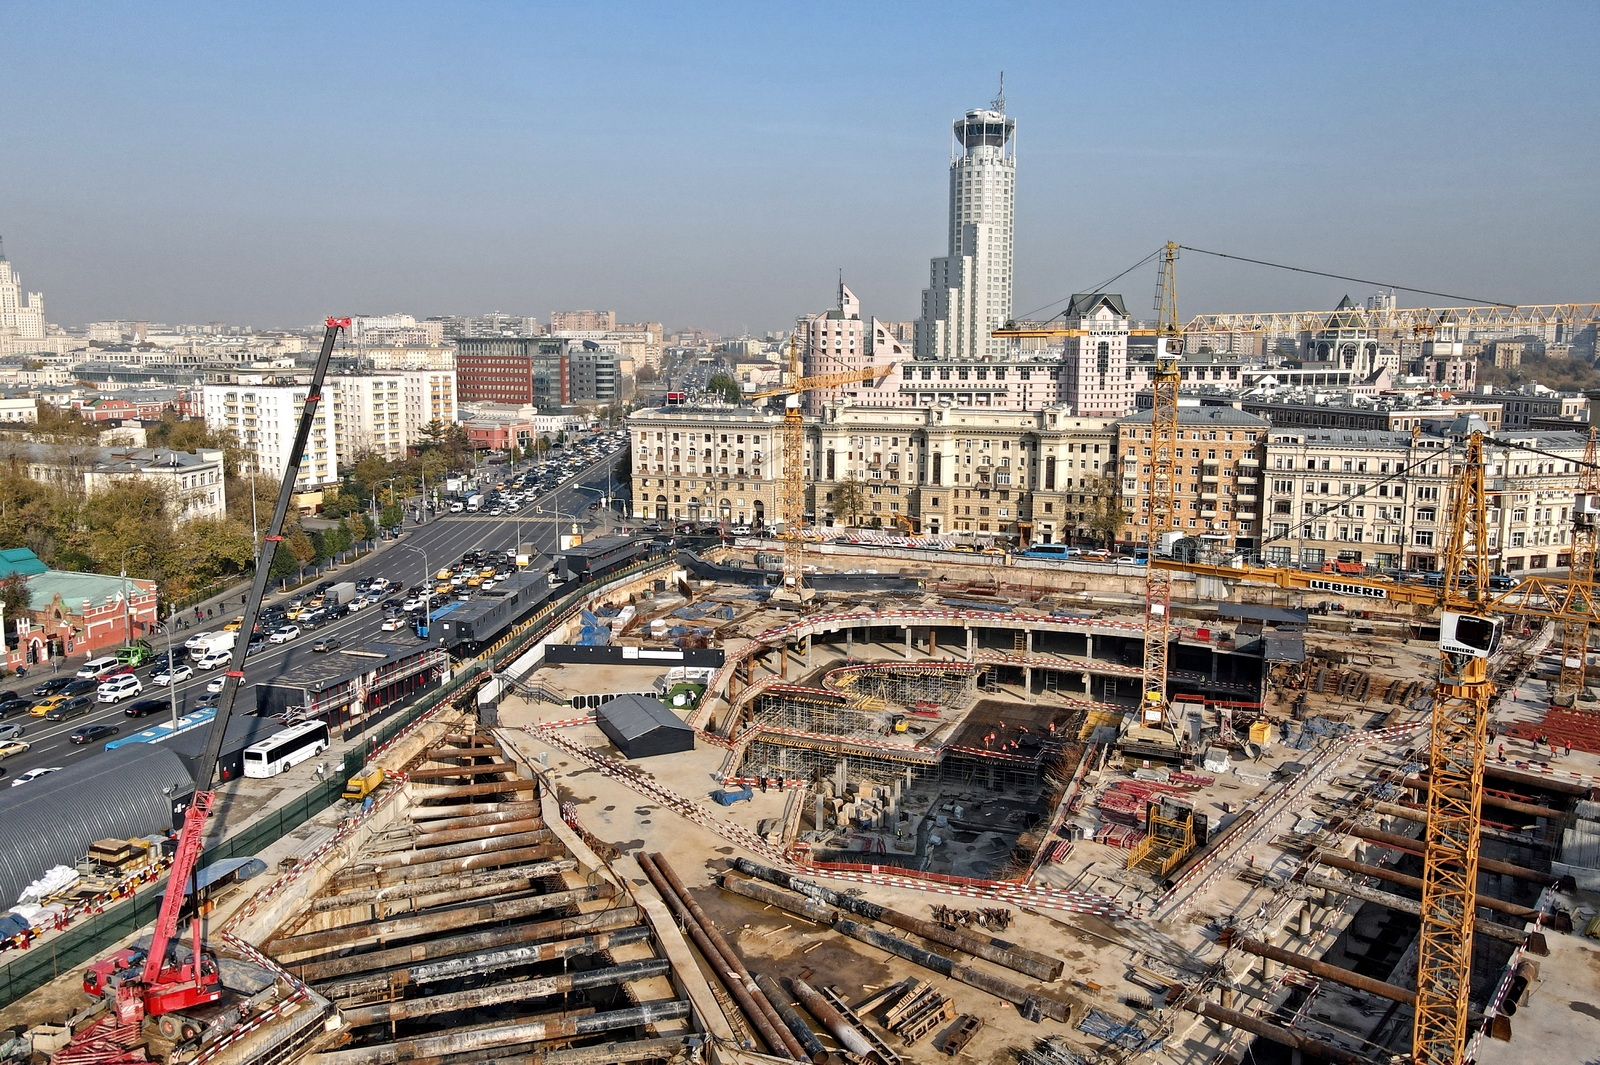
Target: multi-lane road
pixel 419 552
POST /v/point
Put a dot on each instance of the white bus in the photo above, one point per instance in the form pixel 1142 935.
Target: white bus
pixel 283 749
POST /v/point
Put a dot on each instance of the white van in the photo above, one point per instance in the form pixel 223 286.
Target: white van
pixel 96 668
pixel 198 640
pixel 213 659
pixel 118 688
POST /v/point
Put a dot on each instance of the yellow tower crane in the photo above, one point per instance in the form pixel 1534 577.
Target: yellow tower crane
pixel 1161 489
pixel 792 494
pixel 1585 532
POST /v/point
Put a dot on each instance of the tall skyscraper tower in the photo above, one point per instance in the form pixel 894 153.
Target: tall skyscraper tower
pixel 21 314
pixel 969 289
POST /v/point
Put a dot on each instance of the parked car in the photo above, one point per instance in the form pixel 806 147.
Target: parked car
pixel 174 675
pixel 76 706
pixel 90 733
pixel 285 634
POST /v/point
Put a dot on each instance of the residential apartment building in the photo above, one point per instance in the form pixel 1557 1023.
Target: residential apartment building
pixel 1382 498
pixel 518 370
pixel 384 413
pixel 840 340
pixel 711 465
pixel 1217 476
pixel 1391 417
pixel 21 313
pixel 567 321
pixel 979 475
pixel 191 480
pixel 263 416
pixel 1097 379
pixel 594 373
pixel 410 357
pixel 1520 409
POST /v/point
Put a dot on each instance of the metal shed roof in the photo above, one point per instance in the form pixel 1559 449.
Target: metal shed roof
pixel 114 795
pixel 1271 615
pixel 633 716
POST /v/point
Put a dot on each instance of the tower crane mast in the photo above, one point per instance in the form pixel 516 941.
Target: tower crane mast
pixel 1585 532
pixel 1161 501
pixel 792 494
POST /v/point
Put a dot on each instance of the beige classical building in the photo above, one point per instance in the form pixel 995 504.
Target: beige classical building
pixel 718 464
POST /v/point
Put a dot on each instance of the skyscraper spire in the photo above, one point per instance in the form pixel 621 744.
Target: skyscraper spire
pixel 2 249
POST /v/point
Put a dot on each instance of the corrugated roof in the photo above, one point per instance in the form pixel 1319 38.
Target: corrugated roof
pixel 637 715
pixel 116 794
pixel 98 588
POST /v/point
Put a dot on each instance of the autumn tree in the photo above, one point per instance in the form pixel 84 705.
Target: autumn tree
pixel 1107 515
pixel 848 499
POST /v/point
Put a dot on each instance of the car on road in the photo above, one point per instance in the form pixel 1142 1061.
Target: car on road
pixel 34 774
pixel 118 688
pixel 235 625
pixel 11 747
pixel 183 671
pixel 213 660
pixel 198 641
pixel 145 707
pixel 14 706
pixel 207 701
pixel 413 603
pixel 390 624
pixel 90 733
pixel 76 706
pixel 11 732
pixel 214 686
pixel 256 643
pixel 45 705
pixel 328 643
pixel 285 634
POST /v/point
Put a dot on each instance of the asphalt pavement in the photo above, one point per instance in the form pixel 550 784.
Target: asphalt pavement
pixel 421 550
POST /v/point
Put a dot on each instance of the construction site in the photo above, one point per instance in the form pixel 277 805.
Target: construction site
pixel 889 805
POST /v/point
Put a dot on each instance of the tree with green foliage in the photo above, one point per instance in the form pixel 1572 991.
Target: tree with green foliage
pixel 1106 515
pixel 392 515
pixel 338 540
pixel 300 548
pixel 14 600
pixel 849 499
pixel 726 386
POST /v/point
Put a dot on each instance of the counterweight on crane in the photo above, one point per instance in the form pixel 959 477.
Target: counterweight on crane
pixel 167 982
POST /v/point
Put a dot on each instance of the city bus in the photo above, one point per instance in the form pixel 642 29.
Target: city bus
pixel 283 749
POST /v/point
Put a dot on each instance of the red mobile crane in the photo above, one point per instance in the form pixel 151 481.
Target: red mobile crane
pixel 167 982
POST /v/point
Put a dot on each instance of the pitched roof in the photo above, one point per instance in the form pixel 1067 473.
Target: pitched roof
pixel 1087 302
pixel 638 715
pixel 98 588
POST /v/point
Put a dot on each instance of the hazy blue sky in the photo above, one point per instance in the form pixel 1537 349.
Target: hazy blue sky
pixel 717 164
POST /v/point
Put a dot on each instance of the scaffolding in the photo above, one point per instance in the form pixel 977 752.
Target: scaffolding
pixel 912 685
pixel 814 710
pixel 1169 838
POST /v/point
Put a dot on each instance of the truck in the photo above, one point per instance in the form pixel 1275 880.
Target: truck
pixel 209 642
pixel 340 593
pixel 475 502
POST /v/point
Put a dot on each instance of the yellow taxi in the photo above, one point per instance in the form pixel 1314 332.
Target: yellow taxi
pixel 443 575
pixel 475 581
pixel 235 625
pixel 44 706
pixel 443 588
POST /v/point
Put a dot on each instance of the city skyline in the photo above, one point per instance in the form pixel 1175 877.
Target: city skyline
pixel 273 167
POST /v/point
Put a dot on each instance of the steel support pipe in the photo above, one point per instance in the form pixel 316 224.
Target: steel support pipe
pixel 997 986
pixel 1481 927
pixel 1392 992
pixel 498 994
pixel 831 1019
pixel 535 860
pixel 469 833
pixel 443 812
pixel 439 772
pixel 791 1018
pixel 478 964
pixel 1499 802
pixel 730 957
pixel 1335 1055
pixel 371 933
pixel 426 792
pixel 789 901
pixel 429 950
pixel 1001 952
pixel 1420 816
pixel 481 845
pixel 1414 846
pixel 1339 861
pixel 434 1046
pixel 747 1004
pixel 504 879
pixel 523 812
pixel 663 1048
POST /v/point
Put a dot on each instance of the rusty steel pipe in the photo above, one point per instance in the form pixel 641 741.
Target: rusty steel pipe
pixel 831 1019
pixel 477 964
pixel 1499 802
pixel 772 895
pixel 1339 861
pixel 471 809
pixel 1001 952
pixel 730 958
pixel 501 878
pixel 547 859
pixel 1335 1055
pixel 1414 846
pixel 1393 992
pixel 430 950
pixel 481 845
pixel 753 1013
pixel 375 932
pixel 432 1046
pixel 791 1018
pixel 498 994
pixel 468 833
pixel 1480 927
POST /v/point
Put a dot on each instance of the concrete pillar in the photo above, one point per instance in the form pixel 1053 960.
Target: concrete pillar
pixel 1269 968
pixel 1305 920
pixel 972 644
pixel 783 659
pixel 850 642
pixel 810 640
pixel 908 643
pixel 1225 1000
pixel 1028 634
pixel 933 641
pixel 1027 682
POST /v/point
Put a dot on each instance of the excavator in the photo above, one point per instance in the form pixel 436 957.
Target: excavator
pixel 175 975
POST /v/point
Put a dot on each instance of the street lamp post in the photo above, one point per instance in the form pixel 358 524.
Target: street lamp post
pixel 427 581
pixel 172 683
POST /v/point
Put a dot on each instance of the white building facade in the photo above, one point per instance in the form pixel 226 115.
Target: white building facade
pixel 21 314
pixel 263 416
pixel 969 288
